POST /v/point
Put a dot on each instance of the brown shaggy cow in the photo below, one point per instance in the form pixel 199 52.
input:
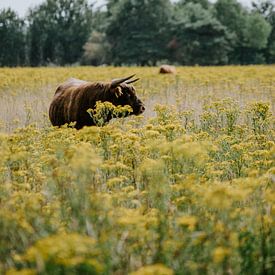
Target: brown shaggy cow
pixel 73 98
pixel 167 69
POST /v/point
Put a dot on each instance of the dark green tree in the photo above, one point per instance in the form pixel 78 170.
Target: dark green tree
pixel 100 20
pixel 198 38
pixel 264 7
pixel 232 15
pixel 12 39
pixel 58 29
pixel 113 6
pixel 137 31
pixel 204 3
pixel 267 9
pixel 249 32
pixel 255 38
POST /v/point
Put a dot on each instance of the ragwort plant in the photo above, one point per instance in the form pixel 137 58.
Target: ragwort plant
pixel 175 194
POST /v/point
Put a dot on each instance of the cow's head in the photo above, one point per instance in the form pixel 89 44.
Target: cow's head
pixel 124 94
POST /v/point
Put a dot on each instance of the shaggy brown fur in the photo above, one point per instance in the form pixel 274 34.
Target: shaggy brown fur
pixel 167 69
pixel 73 98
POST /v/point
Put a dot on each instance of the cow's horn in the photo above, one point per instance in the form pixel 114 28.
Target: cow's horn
pixel 131 81
pixel 117 81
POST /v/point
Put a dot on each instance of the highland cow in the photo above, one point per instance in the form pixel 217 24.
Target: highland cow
pixel 73 98
pixel 167 69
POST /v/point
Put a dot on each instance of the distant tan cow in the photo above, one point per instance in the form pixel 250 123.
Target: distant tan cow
pixel 167 69
pixel 73 98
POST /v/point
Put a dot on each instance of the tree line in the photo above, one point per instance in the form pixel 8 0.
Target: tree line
pixel 139 32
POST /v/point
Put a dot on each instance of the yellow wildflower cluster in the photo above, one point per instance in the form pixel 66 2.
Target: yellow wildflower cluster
pixel 187 189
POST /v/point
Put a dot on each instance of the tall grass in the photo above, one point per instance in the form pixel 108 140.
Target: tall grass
pixel 26 93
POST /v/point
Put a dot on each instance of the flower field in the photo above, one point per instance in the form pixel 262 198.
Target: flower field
pixel 187 188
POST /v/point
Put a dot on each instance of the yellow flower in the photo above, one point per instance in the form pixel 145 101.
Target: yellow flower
pixel 218 197
pixel 25 271
pixel 116 181
pixel 189 221
pixel 64 249
pixel 220 253
pixel 156 269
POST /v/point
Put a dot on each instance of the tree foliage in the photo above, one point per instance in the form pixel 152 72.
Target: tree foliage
pixel 58 30
pixel 249 30
pixel 139 32
pixel 12 39
pixel 199 38
pixel 96 50
pixel 266 8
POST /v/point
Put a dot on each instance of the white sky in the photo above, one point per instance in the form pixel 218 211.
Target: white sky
pixel 21 6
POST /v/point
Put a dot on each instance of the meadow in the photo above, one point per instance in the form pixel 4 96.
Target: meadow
pixel 187 188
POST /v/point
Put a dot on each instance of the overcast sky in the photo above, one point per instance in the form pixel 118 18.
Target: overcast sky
pixel 21 6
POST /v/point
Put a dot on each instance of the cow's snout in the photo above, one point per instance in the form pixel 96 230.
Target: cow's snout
pixel 141 109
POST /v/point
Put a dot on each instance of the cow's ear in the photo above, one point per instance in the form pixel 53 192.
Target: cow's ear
pixel 117 91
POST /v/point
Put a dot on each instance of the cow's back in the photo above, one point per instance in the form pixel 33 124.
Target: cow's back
pixel 67 102
pixel 70 83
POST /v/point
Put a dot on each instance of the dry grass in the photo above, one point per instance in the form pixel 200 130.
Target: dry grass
pixel 27 92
